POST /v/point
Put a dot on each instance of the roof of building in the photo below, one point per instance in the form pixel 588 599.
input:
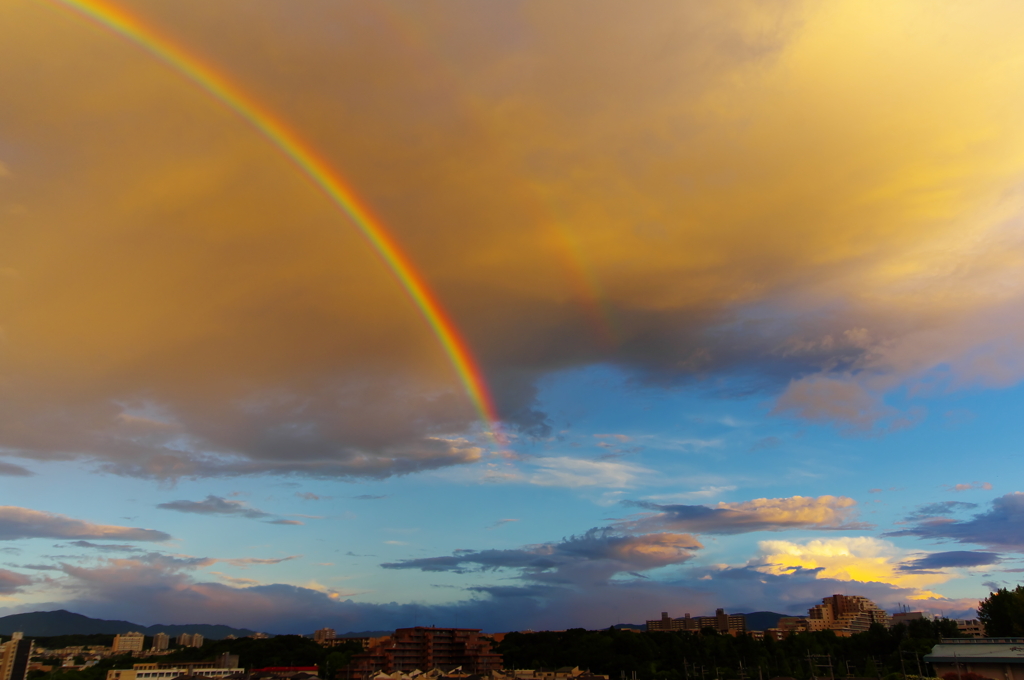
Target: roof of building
pixel 978 650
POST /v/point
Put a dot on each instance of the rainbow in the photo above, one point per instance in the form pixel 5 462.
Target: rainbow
pixel 322 175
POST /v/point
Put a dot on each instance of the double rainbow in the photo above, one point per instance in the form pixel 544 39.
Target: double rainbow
pixel 320 172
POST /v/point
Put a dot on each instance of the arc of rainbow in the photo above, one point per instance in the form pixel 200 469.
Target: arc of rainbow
pixel 322 175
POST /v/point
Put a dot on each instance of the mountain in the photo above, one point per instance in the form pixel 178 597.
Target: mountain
pixel 62 622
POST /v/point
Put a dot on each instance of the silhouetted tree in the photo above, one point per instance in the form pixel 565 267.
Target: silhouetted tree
pixel 1002 612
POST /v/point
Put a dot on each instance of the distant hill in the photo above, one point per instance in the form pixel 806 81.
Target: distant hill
pixel 62 622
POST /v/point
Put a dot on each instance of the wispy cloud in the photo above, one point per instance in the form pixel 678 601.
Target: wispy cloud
pixel 578 472
pixel 215 505
pixel 762 514
pixel 970 486
pixel 501 522
pixel 16 523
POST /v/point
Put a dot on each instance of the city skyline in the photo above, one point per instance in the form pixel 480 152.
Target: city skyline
pixel 508 315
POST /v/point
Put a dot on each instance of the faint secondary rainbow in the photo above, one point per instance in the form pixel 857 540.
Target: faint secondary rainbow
pixel 561 240
pixel 322 175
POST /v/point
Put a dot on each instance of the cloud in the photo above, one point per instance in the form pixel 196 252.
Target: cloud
pixel 12 470
pixel 215 505
pixel 12 582
pixel 501 522
pixel 257 333
pixel 595 555
pixel 310 496
pixel 953 558
pixel 150 591
pixel 16 523
pixel 368 497
pixel 853 558
pixel 106 547
pixel 940 509
pixel 840 401
pixel 291 522
pixel 577 472
pixel 970 487
pixel 762 514
pixel 251 561
pixel 1000 528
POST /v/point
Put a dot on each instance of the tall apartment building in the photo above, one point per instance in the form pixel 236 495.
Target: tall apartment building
pixel 160 642
pixel 847 614
pixel 323 635
pixel 190 640
pixel 128 642
pixel 14 657
pixel 424 648
pixel 722 622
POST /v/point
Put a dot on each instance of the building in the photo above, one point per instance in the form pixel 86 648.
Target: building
pixel 845 614
pixel 160 642
pixel 722 622
pixel 995 658
pixel 14 658
pixel 128 642
pixel 905 618
pixel 165 671
pixel 190 640
pixel 971 628
pixel 323 635
pixel 423 648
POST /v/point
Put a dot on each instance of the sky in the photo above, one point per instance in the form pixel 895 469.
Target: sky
pixel 691 306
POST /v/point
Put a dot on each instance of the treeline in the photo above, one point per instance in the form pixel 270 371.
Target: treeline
pixel 682 655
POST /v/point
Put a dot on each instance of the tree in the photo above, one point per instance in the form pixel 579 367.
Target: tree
pixel 1002 612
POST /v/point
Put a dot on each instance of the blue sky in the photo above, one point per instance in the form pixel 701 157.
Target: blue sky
pixel 743 282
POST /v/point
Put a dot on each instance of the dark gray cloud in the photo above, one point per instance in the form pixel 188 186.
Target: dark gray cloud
pixel 596 555
pixel 18 523
pixel 12 470
pixel 941 509
pixel 954 558
pixel 1001 527
pixel 215 505
pixel 763 514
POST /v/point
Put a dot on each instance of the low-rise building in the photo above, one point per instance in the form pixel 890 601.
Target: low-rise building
pixel 994 658
pixel 160 671
pixel 410 649
pixel 971 628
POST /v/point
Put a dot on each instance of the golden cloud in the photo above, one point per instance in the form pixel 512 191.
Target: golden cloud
pixel 857 558
pixel 576 187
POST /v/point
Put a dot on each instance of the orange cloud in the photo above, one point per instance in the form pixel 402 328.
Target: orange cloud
pixel 186 304
pixel 762 514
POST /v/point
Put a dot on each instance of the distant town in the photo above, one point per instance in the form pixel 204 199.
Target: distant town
pixel 845 636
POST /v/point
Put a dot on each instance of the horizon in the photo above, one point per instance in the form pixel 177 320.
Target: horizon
pixel 508 315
